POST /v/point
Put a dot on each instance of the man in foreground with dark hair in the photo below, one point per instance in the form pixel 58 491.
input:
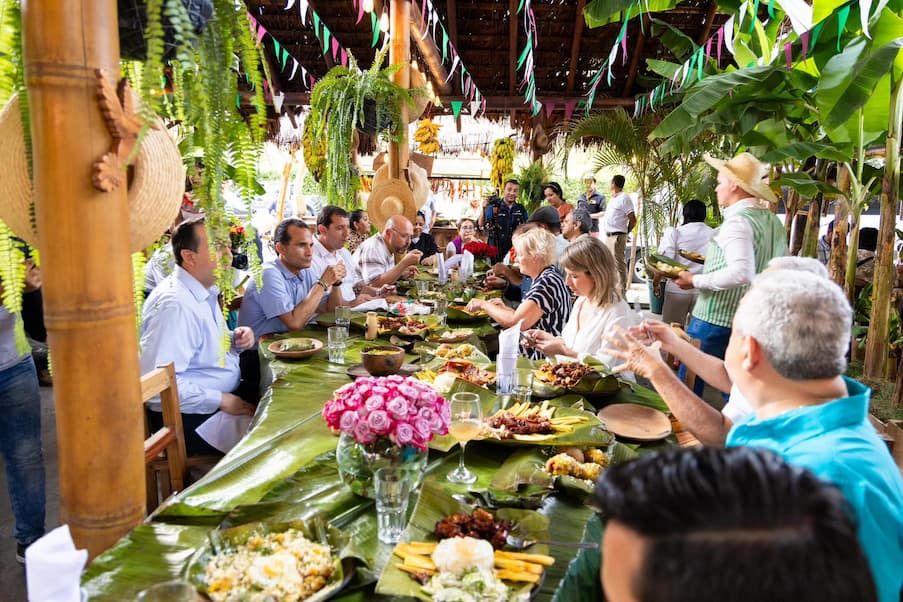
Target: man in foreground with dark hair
pixel 726 524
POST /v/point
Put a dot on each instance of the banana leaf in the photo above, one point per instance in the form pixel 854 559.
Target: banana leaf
pixel 433 505
pixel 457 314
pixel 358 319
pixel 477 358
pixel 316 529
pixel 665 265
pixel 598 383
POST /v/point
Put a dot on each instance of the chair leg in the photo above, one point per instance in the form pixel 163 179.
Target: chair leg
pixel 153 492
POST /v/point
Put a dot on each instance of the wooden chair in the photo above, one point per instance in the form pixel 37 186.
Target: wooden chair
pixel 169 440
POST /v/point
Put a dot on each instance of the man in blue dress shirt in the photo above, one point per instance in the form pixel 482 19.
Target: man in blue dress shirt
pixel 787 354
pixel 182 323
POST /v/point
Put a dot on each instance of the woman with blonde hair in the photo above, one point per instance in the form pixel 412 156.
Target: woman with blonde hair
pixel 547 304
pixel 592 274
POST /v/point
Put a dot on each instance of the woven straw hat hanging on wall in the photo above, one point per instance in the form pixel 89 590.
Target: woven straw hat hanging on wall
pixel 155 189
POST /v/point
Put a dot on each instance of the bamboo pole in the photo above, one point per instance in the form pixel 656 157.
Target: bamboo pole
pixel 877 345
pixel 400 52
pixel 88 306
pixel 286 174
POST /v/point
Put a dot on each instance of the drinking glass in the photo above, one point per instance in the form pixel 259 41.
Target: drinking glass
pixel 522 385
pixel 466 422
pixel 423 287
pixel 441 311
pixel 343 316
pixel 336 337
pixel 393 490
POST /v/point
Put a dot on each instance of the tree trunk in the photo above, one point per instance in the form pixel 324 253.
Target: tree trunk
pixel 88 304
pixel 876 346
pixel 837 263
pixel 852 256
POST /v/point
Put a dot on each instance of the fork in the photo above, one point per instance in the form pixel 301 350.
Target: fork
pixel 521 543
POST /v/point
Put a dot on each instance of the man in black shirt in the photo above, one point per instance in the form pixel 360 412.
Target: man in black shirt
pixel 592 201
pixel 501 216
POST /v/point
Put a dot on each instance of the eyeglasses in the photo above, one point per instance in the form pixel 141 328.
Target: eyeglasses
pixel 401 234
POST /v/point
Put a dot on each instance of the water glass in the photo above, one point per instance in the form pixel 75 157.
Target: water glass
pixel 522 385
pixel 441 311
pixel 343 316
pixel 423 287
pixel 337 337
pixel 393 491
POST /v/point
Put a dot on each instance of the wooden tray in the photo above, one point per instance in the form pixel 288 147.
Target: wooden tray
pixel 636 422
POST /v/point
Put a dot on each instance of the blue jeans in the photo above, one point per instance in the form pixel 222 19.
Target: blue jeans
pixel 20 445
pixel 713 340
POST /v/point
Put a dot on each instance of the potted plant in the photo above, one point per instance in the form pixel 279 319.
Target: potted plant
pixel 347 98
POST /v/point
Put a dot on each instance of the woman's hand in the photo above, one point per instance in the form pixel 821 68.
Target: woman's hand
pixel 644 360
pixel 475 305
pixel 548 344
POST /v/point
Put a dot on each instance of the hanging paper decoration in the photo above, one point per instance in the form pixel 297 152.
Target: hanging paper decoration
pixel 281 54
pixel 456 107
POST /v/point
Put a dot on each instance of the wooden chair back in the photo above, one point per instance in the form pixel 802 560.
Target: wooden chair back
pixel 170 438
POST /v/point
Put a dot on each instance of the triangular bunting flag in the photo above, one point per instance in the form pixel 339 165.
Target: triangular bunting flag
pixel 277 47
pixel 456 107
pixel 842 17
pixel 375 25
pixel 550 108
pixel 261 31
pixel 569 107
pixel 804 38
pixel 344 60
pixel 284 58
pixel 335 49
pixel 788 54
pixel 474 107
pixel 277 102
pixel 294 68
pixel 302 10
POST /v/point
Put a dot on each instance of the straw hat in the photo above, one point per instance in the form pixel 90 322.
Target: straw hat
pixel 420 184
pixel 393 197
pixel 420 102
pixel 155 191
pixel 747 172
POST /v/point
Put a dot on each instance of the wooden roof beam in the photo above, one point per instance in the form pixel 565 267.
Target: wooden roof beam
pixel 635 58
pixel 512 46
pixel 575 46
pixel 452 8
pixel 430 52
pixel 709 21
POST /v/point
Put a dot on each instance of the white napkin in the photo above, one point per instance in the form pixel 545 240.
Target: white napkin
pixel 409 309
pixel 443 269
pixel 371 305
pixel 223 430
pixel 506 362
pixel 53 568
pixel 467 264
pixel 453 261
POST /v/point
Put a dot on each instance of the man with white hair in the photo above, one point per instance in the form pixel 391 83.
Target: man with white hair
pixel 739 249
pixel 787 355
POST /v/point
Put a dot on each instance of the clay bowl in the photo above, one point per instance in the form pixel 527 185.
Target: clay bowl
pixel 382 360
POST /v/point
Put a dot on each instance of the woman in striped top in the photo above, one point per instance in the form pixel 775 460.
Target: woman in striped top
pixel 547 305
pixel 592 275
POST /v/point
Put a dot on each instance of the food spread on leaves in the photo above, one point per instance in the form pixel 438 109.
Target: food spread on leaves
pixel 695 257
pixel 480 524
pixel 456 352
pixel 282 566
pixel 562 374
pixel 529 422
pixel 403 324
pixel 586 464
pixel 468 372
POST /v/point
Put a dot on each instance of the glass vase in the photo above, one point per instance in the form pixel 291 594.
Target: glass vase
pixel 357 462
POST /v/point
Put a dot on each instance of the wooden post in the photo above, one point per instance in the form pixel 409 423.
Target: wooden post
pixel 400 52
pixel 88 306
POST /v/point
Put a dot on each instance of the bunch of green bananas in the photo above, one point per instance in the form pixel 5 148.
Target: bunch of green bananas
pixel 502 161
pixel 315 161
pixel 427 135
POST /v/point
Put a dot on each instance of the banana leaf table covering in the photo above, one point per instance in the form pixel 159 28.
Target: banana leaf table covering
pixel 285 469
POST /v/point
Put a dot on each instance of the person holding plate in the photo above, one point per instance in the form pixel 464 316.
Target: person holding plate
pixel 547 304
pixel 591 273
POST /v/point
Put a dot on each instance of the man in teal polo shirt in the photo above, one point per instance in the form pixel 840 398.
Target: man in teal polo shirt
pixel 787 355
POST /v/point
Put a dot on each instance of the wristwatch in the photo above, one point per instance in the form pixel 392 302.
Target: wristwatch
pixel 323 284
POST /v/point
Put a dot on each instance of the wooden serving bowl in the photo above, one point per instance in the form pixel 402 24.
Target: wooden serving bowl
pixel 382 360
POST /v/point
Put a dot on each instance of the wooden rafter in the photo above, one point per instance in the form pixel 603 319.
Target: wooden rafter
pixel 452 8
pixel 430 52
pixel 512 46
pixel 709 21
pixel 575 47
pixel 327 56
pixel 635 58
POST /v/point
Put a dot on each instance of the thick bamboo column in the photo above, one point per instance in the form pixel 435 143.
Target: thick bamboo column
pixel 400 52
pixel 84 248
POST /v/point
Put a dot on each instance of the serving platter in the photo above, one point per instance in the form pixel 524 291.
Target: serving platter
pixel 294 355
pixel 635 422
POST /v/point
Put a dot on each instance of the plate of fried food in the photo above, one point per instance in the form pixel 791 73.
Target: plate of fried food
pixel 459 313
pixel 450 547
pixel 691 256
pixel 527 422
pixel 295 348
pixel 589 378
pixel 298 560
pixel 404 325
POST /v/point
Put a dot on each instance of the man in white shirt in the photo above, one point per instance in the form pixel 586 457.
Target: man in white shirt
pixel 182 323
pixel 619 220
pixel 575 224
pixel 329 250
pixel 375 259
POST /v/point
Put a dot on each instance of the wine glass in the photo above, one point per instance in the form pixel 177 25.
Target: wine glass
pixel 466 422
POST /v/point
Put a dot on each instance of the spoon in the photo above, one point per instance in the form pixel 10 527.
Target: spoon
pixel 521 543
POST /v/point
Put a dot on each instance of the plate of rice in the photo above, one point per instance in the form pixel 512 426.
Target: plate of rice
pixel 260 562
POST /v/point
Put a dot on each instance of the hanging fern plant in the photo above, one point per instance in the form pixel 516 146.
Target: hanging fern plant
pixel 342 101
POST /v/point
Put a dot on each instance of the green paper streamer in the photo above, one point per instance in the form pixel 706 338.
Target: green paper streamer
pixel 755 17
pixel 523 56
pixel 325 41
pixel 815 33
pixel 520 6
pixel 316 24
pixel 456 107
pixel 771 8
pixel 375 25
pixel 284 58
pixel 444 44
pixel 700 63
pixel 841 23
pixel 238 100
pixel 277 47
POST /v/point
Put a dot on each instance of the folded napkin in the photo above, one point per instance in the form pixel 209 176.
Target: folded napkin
pixel 443 269
pixel 467 265
pixel 223 430
pixel 372 305
pixel 506 362
pixel 53 568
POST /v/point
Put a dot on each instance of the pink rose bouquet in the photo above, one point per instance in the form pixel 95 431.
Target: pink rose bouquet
pixel 405 411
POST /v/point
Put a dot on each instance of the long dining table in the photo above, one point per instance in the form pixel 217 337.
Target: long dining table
pixel 285 469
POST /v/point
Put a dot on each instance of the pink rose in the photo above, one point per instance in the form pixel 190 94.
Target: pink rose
pixel 352 401
pixel 347 422
pixel 398 408
pixel 344 389
pixel 379 390
pixel 422 428
pixel 379 422
pixel 409 391
pixel 375 402
pixel 363 434
pixel 404 433
pixel 395 379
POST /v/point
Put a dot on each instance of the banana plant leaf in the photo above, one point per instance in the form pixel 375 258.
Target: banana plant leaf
pixel 477 358
pixel 435 504
pixel 316 529
pixel 457 314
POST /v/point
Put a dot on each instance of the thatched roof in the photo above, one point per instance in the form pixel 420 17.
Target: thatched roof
pixel 567 53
